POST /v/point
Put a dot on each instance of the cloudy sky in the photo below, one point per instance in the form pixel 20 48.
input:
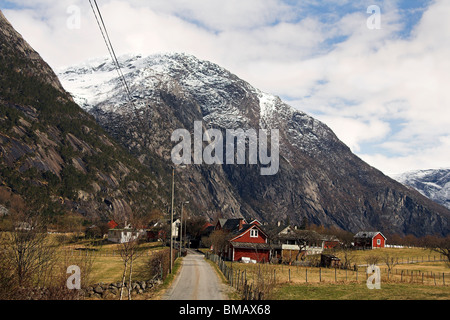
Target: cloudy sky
pixel 381 82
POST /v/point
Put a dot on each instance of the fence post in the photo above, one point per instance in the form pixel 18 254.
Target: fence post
pixel 320 274
pixel 306 275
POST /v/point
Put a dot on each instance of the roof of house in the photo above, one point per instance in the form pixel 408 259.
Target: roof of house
pixel 112 224
pixel 300 234
pixel 236 233
pixel 232 224
pixel 368 234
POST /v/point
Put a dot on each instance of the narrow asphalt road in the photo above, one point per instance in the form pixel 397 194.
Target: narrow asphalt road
pixel 196 280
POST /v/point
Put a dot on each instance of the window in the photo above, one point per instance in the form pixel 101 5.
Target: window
pixel 378 242
pixel 254 233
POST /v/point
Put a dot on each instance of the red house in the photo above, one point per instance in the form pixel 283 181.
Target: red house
pixel 112 224
pixel 370 240
pixel 248 240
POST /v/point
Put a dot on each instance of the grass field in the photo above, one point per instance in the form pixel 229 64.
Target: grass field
pixel 409 281
pixel 107 265
pixel 426 278
pixel 359 291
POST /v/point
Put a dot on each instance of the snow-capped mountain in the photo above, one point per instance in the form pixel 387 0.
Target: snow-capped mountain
pixel 432 183
pixel 319 178
pixel 219 94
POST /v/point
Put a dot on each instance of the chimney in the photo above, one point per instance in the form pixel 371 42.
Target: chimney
pixel 241 223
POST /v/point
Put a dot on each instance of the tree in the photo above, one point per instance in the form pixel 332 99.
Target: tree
pixel 390 262
pixel 218 240
pixel 304 224
pixel 347 257
pixel 129 253
pixel 372 260
pixel 28 251
pixel 304 239
pixel 438 244
pixel 194 226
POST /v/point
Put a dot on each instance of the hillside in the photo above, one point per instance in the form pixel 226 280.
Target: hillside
pixel 54 157
pixel 319 177
pixel 432 183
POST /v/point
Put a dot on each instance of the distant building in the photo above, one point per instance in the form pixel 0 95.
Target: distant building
pixel 369 240
pixel 23 226
pixel 124 235
pixel 291 244
pixel 3 211
pixel 112 224
pixel 329 261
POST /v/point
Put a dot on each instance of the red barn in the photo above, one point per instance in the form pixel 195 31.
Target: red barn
pixel 370 240
pixel 248 240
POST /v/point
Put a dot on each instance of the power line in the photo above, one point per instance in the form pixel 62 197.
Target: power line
pixel 105 35
pixel 109 46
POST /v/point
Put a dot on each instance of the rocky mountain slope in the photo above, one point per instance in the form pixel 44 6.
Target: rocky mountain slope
pixel 54 157
pixel 433 183
pixel 319 178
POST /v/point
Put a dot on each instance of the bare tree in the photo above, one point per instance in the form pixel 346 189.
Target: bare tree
pixel 129 252
pixel 304 239
pixel 347 257
pixel 28 251
pixel 390 262
pixel 439 245
pixel 372 260
pixel 218 239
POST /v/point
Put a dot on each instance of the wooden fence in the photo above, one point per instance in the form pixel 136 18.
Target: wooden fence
pixel 254 290
pixel 256 281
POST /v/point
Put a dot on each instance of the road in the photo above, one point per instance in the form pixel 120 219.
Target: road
pixel 196 280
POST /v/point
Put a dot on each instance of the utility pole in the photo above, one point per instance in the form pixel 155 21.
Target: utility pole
pixel 181 227
pixel 171 217
pixel 171 221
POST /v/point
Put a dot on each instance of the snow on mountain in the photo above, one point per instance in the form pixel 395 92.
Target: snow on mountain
pixel 220 94
pixel 319 177
pixel 432 183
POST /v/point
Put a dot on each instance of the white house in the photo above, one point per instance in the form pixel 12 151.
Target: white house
pixel 175 228
pixel 293 239
pixel 124 235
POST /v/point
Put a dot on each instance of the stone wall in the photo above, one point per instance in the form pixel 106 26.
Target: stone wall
pixel 112 290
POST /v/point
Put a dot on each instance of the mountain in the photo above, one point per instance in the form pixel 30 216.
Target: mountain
pixel 54 157
pixel 432 183
pixel 319 178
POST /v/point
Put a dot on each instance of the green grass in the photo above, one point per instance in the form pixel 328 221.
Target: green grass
pixel 359 291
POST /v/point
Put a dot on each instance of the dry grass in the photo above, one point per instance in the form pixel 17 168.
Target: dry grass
pixel 359 291
pixel 107 265
pixel 420 279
